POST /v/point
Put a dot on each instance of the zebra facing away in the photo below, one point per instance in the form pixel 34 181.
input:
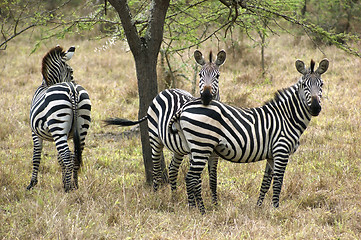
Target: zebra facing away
pixel 162 109
pixel 60 110
pixel 244 135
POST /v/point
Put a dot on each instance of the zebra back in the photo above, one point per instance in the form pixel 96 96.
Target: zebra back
pixel 54 66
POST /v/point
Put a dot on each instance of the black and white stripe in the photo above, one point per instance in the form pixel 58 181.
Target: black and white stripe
pixel 60 110
pixel 161 111
pixel 244 135
pixel 209 75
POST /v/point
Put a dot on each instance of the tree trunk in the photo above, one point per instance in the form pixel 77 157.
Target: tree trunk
pixel 148 89
pixel 145 50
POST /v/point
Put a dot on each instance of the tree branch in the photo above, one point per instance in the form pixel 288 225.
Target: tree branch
pixel 14 35
pixel 307 26
pixel 156 24
pixel 129 27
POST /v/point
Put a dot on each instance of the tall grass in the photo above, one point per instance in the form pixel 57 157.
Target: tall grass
pixel 321 194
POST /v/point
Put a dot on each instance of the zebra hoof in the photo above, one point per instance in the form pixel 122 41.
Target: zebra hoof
pixel 259 203
pixel 192 203
pixel 76 186
pixel 68 188
pixel 155 187
pixel 215 202
pixel 173 188
pixel 32 184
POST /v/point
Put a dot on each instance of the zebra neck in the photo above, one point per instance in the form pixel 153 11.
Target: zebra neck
pixel 288 104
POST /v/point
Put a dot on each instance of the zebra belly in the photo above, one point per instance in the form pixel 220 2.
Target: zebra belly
pixel 241 154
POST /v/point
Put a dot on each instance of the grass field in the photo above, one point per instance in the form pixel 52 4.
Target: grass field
pixel 321 193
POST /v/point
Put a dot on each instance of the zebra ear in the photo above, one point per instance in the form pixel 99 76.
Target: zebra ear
pixel 322 67
pixel 221 58
pixel 69 54
pixel 198 56
pixel 300 66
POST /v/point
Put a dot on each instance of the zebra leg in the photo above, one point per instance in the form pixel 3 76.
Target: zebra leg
pixel 198 196
pixel 266 182
pixel 174 169
pixel 69 167
pixel 280 167
pixel 75 171
pixel 193 183
pixel 61 163
pixel 212 171
pixel 190 183
pixel 38 146
pixel 67 159
pixel 157 168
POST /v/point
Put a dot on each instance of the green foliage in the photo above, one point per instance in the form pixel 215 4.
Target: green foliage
pixel 334 15
pixel 189 22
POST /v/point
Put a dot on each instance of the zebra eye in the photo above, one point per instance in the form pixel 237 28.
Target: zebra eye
pixel 217 75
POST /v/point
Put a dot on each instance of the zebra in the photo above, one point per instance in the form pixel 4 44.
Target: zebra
pixel 162 109
pixel 60 110
pixel 242 135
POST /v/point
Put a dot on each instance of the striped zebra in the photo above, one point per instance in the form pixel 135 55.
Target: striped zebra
pixel 60 110
pixel 162 109
pixel 244 135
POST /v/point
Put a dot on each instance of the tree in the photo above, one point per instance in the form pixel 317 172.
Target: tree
pixel 185 24
pixel 145 50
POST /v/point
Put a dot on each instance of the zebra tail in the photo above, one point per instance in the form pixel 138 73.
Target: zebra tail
pixel 174 119
pixel 176 116
pixel 123 122
pixel 76 132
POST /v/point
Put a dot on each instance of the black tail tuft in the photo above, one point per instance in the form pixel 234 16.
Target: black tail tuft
pixel 77 145
pixel 76 134
pixel 123 122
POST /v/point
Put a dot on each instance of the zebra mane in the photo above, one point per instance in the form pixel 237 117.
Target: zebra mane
pixel 210 56
pixel 52 66
pixel 281 94
pixel 312 65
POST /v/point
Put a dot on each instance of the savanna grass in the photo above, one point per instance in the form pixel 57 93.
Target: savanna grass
pixel 321 194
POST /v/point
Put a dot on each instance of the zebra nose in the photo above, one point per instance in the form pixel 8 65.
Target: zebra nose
pixel 206 95
pixel 315 107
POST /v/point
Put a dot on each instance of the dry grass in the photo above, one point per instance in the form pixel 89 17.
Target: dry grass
pixel 321 194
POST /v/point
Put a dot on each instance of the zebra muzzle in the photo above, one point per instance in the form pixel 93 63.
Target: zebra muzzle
pixel 206 95
pixel 315 107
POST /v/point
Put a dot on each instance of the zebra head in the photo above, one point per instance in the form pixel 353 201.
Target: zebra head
pixel 311 85
pixel 209 74
pixel 54 66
